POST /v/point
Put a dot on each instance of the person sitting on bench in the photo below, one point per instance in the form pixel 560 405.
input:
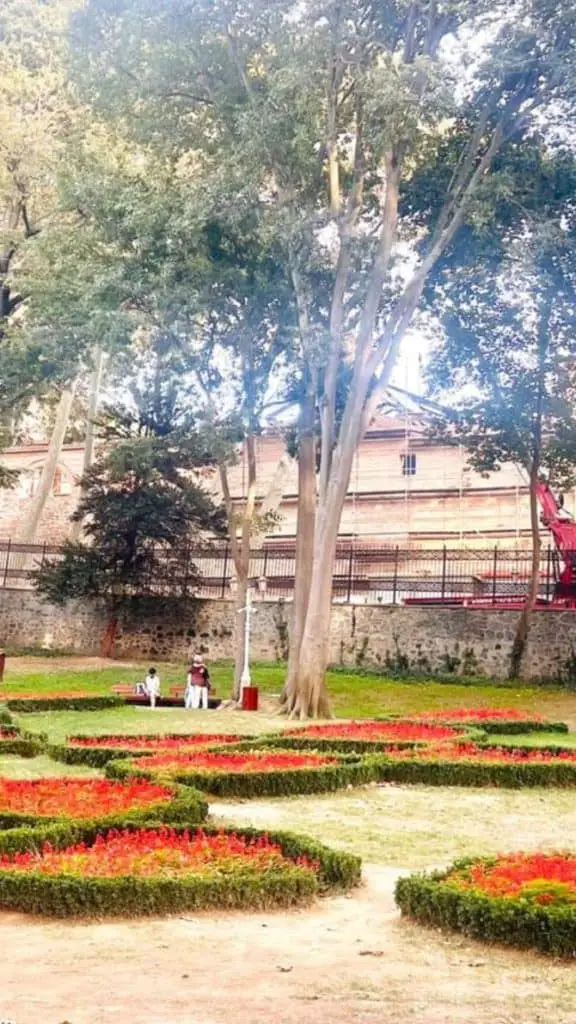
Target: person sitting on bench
pixel 197 685
pixel 152 686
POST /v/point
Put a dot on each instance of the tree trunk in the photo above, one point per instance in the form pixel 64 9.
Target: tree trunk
pixel 304 550
pixel 31 523
pixel 92 412
pixel 109 638
pixel 523 627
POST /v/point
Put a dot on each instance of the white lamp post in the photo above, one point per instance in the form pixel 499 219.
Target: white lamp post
pixel 245 678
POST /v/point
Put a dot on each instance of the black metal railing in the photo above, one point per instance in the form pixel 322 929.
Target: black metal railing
pixel 363 572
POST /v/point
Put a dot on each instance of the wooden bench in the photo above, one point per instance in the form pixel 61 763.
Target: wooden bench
pixel 127 690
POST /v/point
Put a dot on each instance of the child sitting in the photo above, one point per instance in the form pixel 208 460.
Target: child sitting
pixel 152 686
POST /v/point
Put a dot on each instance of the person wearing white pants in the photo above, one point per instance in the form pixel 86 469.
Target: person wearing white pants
pixel 197 685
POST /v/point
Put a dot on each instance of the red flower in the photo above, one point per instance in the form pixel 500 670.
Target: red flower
pixel 472 752
pixel 6 733
pixel 252 761
pixel 478 715
pixel 79 798
pixel 542 877
pixel 145 742
pixel 378 732
pixel 157 852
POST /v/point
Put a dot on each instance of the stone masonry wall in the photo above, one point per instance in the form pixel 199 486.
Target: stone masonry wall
pixel 461 641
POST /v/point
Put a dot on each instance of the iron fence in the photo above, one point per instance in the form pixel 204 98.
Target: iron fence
pixel 363 573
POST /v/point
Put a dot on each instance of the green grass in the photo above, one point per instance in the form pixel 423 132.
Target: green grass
pixel 536 739
pixel 353 696
pixel 39 767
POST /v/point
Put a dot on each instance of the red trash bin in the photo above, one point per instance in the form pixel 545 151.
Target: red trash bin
pixel 250 698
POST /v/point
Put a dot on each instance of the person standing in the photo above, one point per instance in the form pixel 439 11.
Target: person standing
pixel 152 686
pixel 197 685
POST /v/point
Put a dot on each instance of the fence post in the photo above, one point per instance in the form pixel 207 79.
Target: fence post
pixel 494 573
pixel 6 567
pixel 225 570
pixel 444 557
pixel 395 577
pixel 350 571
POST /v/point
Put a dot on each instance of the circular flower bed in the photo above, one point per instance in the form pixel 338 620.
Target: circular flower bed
pixel 468 764
pixel 251 773
pixel 163 870
pixel 98 750
pixel 364 736
pixel 522 899
pixel 498 720
pixel 29 802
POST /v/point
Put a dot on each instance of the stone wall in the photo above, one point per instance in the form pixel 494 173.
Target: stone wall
pixel 460 641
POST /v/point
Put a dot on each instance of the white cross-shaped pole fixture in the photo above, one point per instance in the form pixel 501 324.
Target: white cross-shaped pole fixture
pixel 245 678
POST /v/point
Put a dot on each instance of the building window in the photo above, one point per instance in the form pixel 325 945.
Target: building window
pixel 408 460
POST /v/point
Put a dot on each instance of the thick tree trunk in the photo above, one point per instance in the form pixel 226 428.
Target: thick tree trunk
pixel 523 627
pixel 31 523
pixel 92 412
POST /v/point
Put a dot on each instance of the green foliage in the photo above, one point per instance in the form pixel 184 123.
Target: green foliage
pixel 467 773
pixel 431 901
pixel 140 509
pixel 131 897
pixel 37 704
pixel 350 771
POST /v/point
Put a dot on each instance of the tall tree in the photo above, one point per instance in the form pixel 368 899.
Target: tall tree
pixel 506 362
pixel 316 119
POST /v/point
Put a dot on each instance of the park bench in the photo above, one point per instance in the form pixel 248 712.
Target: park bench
pixel 127 690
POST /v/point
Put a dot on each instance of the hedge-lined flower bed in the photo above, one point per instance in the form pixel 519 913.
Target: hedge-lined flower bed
pixel 468 764
pixel 98 750
pixel 522 899
pixel 363 736
pixel 26 802
pixel 159 870
pixel 257 772
pixel 506 721
pixel 22 703
pixel 12 741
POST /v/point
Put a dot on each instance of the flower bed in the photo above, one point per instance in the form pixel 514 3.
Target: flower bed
pixel 523 899
pixel 12 741
pixel 26 802
pixel 508 721
pixel 98 750
pixel 257 772
pixel 363 736
pixel 22 703
pixel 159 870
pixel 468 764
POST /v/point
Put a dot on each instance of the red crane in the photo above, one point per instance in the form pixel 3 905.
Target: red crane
pixel 563 529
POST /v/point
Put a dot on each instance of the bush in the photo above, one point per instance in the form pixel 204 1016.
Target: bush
pixel 348 771
pixel 21 705
pixel 187 805
pixel 22 746
pixel 95 757
pixel 65 896
pixel 431 900
pixel 470 773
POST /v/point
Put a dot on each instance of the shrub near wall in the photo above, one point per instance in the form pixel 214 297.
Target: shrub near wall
pixel 253 773
pixel 167 870
pixel 525 900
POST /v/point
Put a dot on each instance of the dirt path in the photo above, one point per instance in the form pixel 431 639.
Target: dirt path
pixel 347 960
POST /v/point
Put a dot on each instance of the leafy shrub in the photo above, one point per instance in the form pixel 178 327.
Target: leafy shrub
pixel 95 702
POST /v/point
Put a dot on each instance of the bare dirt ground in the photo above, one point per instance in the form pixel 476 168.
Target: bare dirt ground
pixel 347 960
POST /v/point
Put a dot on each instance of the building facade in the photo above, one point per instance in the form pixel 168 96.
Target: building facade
pixel 405 491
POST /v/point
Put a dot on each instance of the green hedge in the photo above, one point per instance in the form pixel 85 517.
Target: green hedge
pixel 470 773
pixel 21 746
pixel 347 746
pixel 95 757
pixel 187 806
pixel 497 725
pixel 67 896
pixel 6 718
pixel 513 922
pixel 36 704
pixel 349 771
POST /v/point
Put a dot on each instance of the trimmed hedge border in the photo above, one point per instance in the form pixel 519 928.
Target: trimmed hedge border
pixel 67 896
pixel 21 746
pixel 98 757
pixel 473 773
pixel 187 805
pixel 511 922
pixel 501 726
pixel 349 771
pixel 346 746
pixel 35 704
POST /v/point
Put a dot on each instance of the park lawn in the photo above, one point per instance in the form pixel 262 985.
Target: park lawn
pixel 353 695
pixel 536 739
pixel 12 767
